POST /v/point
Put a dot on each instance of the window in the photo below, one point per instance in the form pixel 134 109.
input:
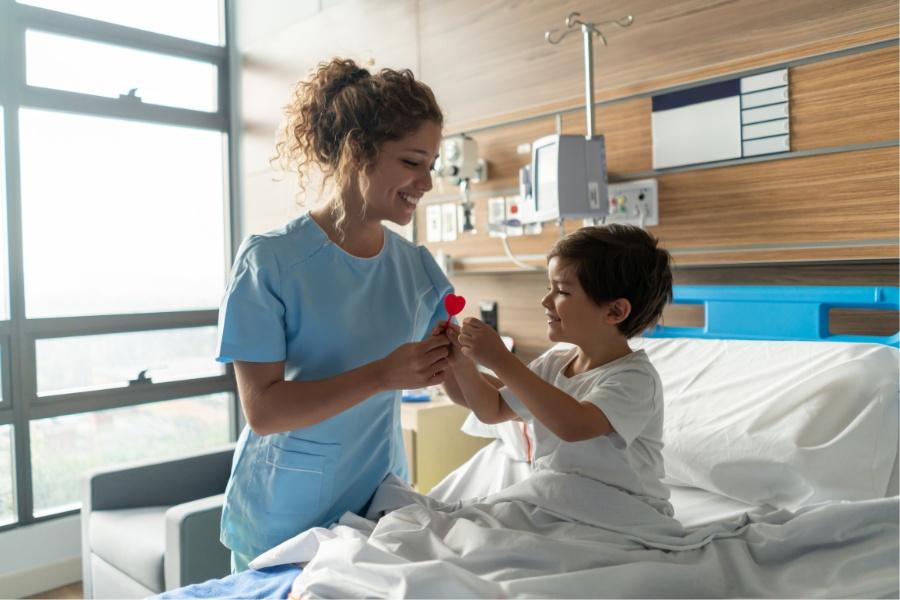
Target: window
pixel 72 364
pixel 63 448
pixel 198 20
pixel 66 63
pixel 148 203
pixel 7 497
pixel 4 280
pixel 114 244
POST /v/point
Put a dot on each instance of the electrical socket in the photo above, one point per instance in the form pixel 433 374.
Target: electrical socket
pixel 628 199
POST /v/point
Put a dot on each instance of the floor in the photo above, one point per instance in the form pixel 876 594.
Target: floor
pixel 68 592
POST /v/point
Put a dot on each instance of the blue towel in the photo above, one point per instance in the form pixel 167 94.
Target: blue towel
pixel 273 582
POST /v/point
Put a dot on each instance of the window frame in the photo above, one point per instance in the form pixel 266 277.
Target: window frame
pixel 20 403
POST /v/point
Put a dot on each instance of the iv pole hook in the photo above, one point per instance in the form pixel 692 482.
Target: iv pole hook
pixel 588 30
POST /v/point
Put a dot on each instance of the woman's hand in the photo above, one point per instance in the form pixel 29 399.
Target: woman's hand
pixel 415 365
pixel 479 342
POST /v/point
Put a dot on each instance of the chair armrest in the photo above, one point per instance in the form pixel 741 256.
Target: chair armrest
pixel 159 483
pixel 151 483
pixel 193 550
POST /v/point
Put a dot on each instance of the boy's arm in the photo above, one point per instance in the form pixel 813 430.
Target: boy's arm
pixel 568 419
pixel 472 388
pixel 482 397
pixel 450 385
pixel 451 388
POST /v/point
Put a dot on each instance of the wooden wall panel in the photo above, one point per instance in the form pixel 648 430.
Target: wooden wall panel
pixel 812 207
pixel 834 103
pixel 487 59
pixel 844 101
pixel 815 199
pixel 627 129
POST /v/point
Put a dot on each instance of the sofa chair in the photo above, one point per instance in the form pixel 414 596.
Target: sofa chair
pixel 154 526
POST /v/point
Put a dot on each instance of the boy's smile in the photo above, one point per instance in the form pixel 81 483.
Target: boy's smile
pixel 574 317
pixel 571 314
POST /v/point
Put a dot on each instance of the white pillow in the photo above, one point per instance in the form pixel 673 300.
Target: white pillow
pixel 778 423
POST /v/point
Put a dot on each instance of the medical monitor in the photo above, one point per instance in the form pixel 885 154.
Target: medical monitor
pixel 568 179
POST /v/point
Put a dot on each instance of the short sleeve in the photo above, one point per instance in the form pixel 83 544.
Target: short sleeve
pixel 516 405
pixel 629 401
pixel 538 366
pixel 251 317
pixel 442 287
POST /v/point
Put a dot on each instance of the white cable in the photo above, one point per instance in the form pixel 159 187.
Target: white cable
pixel 642 215
pixel 523 265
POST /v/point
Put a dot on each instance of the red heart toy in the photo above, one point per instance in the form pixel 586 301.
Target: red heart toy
pixel 454 305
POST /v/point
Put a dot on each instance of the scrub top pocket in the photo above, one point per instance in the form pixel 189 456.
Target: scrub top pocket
pixel 298 476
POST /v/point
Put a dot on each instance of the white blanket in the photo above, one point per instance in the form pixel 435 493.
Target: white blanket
pixel 557 535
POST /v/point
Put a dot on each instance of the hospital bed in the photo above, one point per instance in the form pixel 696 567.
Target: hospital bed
pixel 781 457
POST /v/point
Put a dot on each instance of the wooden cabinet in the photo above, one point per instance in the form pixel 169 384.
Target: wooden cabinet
pixel 435 446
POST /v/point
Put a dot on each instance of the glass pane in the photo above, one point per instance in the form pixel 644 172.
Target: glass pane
pixel 4 263
pixel 63 448
pixel 197 20
pixel 74 65
pixel 120 216
pixel 7 475
pixel 80 363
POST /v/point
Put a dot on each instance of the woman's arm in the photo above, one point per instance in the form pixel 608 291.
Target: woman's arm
pixel 273 405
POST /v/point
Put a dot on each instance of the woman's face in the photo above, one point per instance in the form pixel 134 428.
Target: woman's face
pixel 393 186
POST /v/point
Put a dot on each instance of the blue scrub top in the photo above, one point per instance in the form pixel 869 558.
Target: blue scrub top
pixel 297 297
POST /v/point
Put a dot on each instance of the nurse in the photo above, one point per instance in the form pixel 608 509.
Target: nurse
pixel 328 317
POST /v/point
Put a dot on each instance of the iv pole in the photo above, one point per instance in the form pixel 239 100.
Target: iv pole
pixel 588 30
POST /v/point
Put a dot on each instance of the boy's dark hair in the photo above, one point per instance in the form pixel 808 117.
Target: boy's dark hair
pixel 620 261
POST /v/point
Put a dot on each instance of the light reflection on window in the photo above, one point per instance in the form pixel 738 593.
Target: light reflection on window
pixel 120 216
pixel 198 20
pixel 74 65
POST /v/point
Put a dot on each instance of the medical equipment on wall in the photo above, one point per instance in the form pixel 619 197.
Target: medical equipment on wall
pixel 567 176
pixel 459 164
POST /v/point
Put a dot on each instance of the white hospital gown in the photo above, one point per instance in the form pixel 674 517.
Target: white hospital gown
pixel 629 392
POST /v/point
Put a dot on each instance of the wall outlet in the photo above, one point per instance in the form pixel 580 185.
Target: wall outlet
pixel 433 228
pixel 629 201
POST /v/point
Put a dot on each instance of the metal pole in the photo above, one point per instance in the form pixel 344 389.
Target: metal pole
pixel 588 78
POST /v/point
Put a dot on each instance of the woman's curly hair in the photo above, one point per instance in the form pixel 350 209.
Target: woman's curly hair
pixel 339 117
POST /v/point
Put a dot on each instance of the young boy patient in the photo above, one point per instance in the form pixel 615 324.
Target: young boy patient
pixel 596 408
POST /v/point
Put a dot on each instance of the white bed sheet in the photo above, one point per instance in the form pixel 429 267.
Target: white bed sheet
pixel 563 536
pixel 695 507
pixel 494 468
pixel 555 535
pixel 495 529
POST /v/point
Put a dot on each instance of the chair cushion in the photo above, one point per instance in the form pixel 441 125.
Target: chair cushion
pixel 132 540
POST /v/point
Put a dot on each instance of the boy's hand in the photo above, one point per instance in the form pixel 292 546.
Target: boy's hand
pixel 481 343
pixel 451 331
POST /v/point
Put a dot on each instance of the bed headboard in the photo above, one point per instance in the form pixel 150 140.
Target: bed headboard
pixel 778 312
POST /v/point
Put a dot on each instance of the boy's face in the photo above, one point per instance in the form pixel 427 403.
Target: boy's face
pixel 571 314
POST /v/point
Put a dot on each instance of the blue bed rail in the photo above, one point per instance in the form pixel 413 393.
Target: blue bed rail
pixel 778 312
